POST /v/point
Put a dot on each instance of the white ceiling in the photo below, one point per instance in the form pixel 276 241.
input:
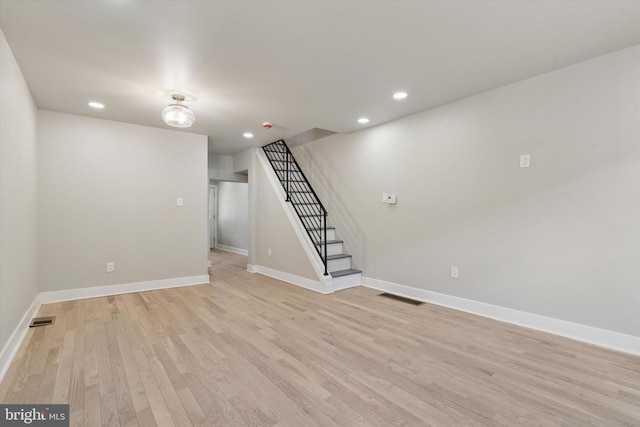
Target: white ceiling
pixel 299 65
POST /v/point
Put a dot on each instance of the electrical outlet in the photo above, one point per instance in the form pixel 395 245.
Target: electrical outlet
pixel 454 272
pixel 385 197
pixel 179 202
pixel 525 160
pixel 111 267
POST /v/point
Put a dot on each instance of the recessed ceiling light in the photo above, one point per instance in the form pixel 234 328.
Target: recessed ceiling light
pixel 363 120
pixel 400 95
pixel 96 105
pixel 247 135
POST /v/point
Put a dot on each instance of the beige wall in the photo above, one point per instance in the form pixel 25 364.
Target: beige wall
pixel 18 183
pixel 559 239
pixel 107 192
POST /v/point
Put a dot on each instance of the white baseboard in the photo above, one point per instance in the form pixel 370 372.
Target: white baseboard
pixel 126 288
pixel 303 282
pixel 238 251
pixel 13 344
pixel 589 334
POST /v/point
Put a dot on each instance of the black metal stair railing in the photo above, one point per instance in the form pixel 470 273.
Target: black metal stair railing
pixel 300 194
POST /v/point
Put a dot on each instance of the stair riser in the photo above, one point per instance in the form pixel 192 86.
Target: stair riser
pixel 339 264
pixel 333 249
pixel 331 234
pixel 318 235
pixel 345 282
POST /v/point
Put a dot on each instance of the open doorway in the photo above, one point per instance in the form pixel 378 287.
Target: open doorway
pixel 231 216
pixel 213 216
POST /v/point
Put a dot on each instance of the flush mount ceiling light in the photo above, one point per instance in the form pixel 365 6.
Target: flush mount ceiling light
pixel 96 105
pixel 363 120
pixel 178 115
pixel 247 135
pixel 400 95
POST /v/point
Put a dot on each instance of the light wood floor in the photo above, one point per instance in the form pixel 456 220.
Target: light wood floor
pixel 249 350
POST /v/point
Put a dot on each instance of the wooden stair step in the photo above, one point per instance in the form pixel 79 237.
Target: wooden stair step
pixel 339 256
pixel 344 272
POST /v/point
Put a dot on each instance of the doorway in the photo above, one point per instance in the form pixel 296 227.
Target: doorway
pixel 213 216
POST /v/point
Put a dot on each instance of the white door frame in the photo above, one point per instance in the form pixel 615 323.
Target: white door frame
pixel 213 216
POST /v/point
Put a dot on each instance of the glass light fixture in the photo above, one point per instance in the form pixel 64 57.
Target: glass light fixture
pixel 178 115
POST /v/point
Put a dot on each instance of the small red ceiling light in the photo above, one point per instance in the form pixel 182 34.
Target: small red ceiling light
pixel 267 125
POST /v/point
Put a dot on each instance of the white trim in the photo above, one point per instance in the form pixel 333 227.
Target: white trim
pixel 589 334
pixel 13 343
pixel 344 282
pixel 303 282
pixel 238 251
pixel 126 288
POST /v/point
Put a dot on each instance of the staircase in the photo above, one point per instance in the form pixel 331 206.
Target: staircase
pixel 311 212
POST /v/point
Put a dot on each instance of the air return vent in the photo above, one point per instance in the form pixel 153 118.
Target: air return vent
pixel 42 321
pixel 403 299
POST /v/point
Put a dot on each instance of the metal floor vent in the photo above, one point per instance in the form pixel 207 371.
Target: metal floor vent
pixel 42 321
pixel 403 299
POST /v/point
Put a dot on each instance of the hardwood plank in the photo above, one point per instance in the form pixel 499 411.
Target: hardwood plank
pixel 250 350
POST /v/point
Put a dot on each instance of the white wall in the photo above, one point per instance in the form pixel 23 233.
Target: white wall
pixel 18 184
pixel 233 214
pixel 221 168
pixel 107 192
pixel 242 161
pixel 275 231
pixel 560 239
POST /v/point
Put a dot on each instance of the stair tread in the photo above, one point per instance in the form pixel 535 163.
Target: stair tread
pixel 339 256
pixel 345 272
pixel 329 242
pixel 316 229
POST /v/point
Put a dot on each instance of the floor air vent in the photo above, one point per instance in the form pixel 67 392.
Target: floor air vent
pixel 403 299
pixel 42 321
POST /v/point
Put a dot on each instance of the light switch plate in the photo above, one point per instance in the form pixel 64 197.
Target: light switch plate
pixel 525 160
pixel 179 201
